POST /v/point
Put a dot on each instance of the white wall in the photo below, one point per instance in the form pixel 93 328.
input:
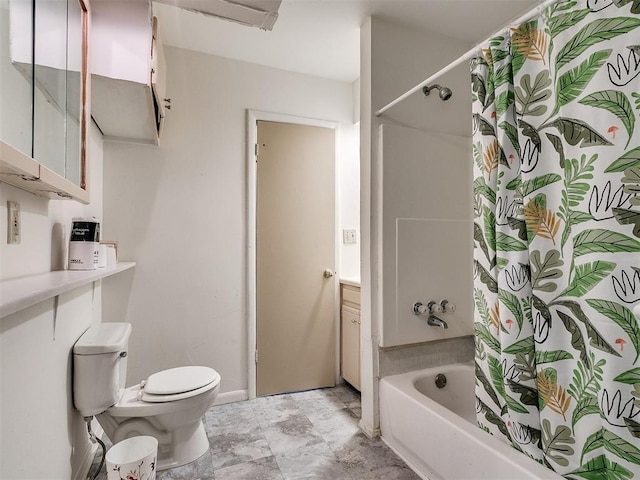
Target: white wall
pixel 42 436
pixel 348 184
pixel 368 252
pixel 179 210
pixel 46 224
pixel 395 58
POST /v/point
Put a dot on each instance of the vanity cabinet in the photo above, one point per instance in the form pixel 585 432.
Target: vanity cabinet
pixel 350 334
pixel 128 71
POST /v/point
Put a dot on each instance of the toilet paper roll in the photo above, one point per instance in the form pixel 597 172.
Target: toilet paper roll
pixel 110 256
pixel 102 257
pixel 83 255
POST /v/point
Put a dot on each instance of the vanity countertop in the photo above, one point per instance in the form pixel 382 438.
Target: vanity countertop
pixel 353 281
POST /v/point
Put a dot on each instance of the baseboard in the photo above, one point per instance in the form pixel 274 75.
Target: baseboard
pixel 82 472
pixel 230 397
pixel 368 430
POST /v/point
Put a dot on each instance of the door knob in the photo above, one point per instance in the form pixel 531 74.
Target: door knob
pixel 327 273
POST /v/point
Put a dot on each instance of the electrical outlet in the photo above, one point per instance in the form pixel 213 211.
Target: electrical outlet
pixel 13 223
pixel 349 237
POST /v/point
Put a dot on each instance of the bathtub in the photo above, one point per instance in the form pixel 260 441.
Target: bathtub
pixel 434 430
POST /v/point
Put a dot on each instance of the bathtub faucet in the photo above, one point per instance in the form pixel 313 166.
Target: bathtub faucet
pixel 436 322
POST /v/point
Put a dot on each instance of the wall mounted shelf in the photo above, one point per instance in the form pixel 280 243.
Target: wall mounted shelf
pixel 20 293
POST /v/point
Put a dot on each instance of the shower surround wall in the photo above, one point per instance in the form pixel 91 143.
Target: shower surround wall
pixel 416 213
pixel 426 232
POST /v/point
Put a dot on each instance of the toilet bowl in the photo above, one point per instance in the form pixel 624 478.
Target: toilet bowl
pixel 174 419
pixel 169 405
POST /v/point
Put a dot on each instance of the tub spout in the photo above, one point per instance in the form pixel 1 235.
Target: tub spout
pixel 436 322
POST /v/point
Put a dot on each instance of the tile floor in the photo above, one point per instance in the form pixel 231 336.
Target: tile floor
pixel 303 435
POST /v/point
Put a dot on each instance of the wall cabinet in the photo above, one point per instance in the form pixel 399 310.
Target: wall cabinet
pixel 24 172
pixel 128 71
pixel 350 334
pixel 44 78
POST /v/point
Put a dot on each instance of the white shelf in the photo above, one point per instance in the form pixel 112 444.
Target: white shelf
pixel 19 293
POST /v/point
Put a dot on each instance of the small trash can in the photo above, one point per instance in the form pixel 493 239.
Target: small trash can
pixel 133 459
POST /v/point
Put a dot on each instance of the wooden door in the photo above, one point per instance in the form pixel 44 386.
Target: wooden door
pixel 296 336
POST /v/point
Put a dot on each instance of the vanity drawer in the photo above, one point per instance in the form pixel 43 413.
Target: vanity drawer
pixel 351 295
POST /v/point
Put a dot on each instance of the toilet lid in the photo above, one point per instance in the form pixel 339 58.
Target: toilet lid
pixel 150 398
pixel 180 380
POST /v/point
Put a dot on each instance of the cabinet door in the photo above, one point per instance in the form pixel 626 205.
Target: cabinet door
pixel 350 346
pixel 158 80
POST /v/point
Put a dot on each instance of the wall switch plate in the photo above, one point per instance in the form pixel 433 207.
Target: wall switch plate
pixel 349 237
pixel 13 223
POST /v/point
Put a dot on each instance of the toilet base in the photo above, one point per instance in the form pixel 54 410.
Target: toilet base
pixel 177 447
pixel 188 446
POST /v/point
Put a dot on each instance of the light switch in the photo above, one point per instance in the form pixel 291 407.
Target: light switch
pixel 349 237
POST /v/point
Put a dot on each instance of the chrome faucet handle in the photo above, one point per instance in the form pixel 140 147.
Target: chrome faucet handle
pixel 434 307
pixel 419 308
pixel 447 306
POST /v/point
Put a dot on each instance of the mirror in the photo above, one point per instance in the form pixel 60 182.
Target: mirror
pixel 43 57
pixel 16 89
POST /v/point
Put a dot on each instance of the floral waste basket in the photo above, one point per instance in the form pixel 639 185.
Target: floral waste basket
pixel 133 459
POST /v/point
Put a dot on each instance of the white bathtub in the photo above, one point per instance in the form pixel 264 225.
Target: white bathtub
pixel 434 430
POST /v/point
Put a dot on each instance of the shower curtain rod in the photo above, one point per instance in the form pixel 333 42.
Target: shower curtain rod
pixel 466 56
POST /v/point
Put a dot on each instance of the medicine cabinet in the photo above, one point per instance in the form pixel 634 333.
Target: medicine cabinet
pixel 44 103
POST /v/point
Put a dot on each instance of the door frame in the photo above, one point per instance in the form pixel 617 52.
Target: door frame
pixel 253 116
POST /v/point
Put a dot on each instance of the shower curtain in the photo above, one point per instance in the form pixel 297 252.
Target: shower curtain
pixel 556 144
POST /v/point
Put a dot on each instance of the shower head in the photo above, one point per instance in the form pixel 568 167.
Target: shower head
pixel 443 92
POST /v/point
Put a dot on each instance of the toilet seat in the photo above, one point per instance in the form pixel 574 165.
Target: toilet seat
pixel 135 401
pixel 178 383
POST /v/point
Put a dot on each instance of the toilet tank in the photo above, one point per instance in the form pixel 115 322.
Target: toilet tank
pixel 100 367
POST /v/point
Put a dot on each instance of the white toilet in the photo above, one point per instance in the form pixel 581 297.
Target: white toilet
pixel 169 405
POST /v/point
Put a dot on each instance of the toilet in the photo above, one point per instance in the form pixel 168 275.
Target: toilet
pixel 168 405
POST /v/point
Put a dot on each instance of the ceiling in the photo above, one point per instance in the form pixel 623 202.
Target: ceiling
pixel 322 37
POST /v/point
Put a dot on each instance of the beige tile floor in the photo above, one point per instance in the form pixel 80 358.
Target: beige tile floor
pixel 303 435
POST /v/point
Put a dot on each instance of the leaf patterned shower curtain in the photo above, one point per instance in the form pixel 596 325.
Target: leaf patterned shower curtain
pixel 556 146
